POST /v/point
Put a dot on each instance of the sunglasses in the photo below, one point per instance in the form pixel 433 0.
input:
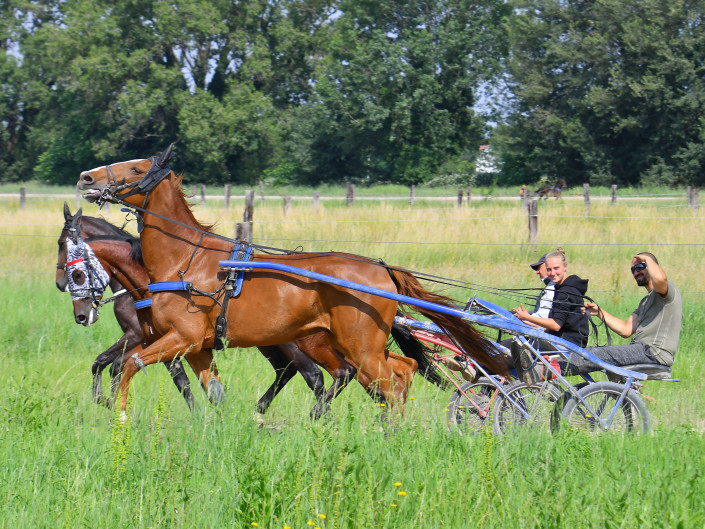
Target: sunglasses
pixel 638 268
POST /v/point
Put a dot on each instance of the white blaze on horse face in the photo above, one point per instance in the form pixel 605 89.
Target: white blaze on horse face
pixel 120 163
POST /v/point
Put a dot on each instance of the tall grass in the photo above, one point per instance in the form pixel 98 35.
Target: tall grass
pixel 67 462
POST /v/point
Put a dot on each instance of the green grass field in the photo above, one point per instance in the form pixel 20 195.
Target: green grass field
pixel 69 463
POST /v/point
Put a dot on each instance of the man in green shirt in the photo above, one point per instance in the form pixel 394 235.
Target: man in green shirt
pixel 654 326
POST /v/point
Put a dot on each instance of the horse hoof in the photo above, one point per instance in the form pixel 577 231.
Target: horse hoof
pixel 259 420
pixel 123 417
pixel 216 393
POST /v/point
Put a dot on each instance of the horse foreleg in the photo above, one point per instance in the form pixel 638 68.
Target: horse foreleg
pixel 102 361
pixel 202 364
pixel 180 378
pixel 111 356
pixel 164 349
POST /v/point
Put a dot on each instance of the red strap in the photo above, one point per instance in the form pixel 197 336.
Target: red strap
pixel 75 261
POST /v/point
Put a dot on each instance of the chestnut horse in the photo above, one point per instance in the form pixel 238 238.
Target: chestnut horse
pixel 121 257
pixel 274 307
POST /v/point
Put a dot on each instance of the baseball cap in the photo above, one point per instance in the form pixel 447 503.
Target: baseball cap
pixel 538 263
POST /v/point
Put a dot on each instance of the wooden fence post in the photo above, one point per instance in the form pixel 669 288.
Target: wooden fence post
pixel 693 198
pixel 412 195
pixel 243 230
pixel 227 196
pixel 249 213
pixel 316 200
pixel 586 198
pixel 261 191
pixel 350 195
pixel 614 194
pixel 534 222
pixel 203 194
pixel 469 193
pixel 460 198
pixel 23 197
pixel 78 198
pixel 525 199
pixel 287 205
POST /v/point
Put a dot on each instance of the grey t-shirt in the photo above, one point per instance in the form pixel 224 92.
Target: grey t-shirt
pixel 659 324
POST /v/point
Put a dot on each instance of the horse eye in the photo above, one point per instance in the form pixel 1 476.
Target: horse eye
pixel 78 277
pixel 136 171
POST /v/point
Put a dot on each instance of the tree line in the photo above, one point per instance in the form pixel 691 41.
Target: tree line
pixel 328 91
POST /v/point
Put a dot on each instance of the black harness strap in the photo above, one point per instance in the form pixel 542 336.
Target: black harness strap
pixel 242 251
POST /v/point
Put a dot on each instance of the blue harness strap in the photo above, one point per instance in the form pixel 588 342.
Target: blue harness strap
pixel 245 255
pixel 143 303
pixel 170 285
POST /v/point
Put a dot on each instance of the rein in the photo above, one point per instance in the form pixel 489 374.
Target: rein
pixel 160 169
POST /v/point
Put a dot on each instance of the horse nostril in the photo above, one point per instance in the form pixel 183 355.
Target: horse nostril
pixel 86 178
pixel 80 318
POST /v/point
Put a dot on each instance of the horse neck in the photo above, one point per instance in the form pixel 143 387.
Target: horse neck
pixel 166 245
pixel 132 276
pixel 95 227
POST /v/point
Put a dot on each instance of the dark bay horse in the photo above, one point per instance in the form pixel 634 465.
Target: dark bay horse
pixel 86 313
pixel 274 307
pixel 123 308
pixel 555 190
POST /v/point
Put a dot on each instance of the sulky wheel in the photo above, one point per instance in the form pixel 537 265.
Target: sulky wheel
pixel 630 416
pixel 470 413
pixel 537 401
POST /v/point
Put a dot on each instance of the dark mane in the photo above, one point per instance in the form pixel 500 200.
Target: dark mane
pixel 134 242
pixel 105 228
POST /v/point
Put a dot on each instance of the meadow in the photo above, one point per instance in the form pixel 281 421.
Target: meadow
pixel 68 462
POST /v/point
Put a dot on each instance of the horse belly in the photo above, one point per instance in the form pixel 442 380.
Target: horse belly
pixel 263 315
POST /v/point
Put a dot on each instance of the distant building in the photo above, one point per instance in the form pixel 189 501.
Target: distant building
pixel 486 166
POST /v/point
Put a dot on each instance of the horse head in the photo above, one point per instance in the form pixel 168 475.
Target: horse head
pixel 126 181
pixel 79 271
pixel 70 231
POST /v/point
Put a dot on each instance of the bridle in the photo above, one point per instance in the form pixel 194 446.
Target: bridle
pixel 158 171
pixel 79 255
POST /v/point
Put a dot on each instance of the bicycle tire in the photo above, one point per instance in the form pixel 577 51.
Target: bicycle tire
pixel 466 416
pixel 631 416
pixel 538 401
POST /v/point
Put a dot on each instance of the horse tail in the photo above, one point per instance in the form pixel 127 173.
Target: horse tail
pixel 459 331
pixel 413 348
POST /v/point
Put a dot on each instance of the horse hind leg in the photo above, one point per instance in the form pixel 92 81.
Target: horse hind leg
pixel 203 366
pixel 317 347
pixel 287 360
pixel 341 378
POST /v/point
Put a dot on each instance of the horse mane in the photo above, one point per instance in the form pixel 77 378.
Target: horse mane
pixel 115 232
pixel 179 188
pixel 134 242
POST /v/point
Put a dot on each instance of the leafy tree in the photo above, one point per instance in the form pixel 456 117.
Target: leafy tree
pixel 605 91
pixel 394 95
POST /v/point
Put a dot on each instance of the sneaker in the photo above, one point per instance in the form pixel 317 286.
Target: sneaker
pixel 528 367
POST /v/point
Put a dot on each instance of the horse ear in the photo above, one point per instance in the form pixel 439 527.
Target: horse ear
pixel 67 211
pixel 166 156
pixel 76 225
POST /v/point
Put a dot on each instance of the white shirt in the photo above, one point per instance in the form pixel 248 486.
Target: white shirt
pixel 545 301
